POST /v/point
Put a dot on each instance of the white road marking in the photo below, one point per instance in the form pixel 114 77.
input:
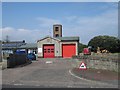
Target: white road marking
pixel 49 62
pixel 69 86
pixel 77 76
pixel 18 84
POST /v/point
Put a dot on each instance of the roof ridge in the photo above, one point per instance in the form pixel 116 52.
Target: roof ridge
pixel 67 36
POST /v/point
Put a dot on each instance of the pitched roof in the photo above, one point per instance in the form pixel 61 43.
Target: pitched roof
pixel 29 45
pixel 73 38
pixel 48 37
pixel 68 38
pixel 10 45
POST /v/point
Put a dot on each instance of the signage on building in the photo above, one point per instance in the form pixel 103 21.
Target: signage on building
pixel 49 40
pixel 39 50
pixel 30 51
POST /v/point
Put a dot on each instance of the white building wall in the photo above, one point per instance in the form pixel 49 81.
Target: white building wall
pixel 48 41
pixel 57 45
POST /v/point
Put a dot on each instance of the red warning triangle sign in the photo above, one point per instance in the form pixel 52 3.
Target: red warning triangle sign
pixel 82 66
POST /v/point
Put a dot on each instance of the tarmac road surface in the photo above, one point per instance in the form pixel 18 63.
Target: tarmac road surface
pixel 51 74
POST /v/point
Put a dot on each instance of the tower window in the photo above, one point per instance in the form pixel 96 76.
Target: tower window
pixel 56 28
pixel 57 35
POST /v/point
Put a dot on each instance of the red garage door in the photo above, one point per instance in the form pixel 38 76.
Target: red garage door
pixel 68 50
pixel 48 51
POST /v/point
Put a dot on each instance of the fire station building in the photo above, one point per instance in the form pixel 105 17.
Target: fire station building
pixel 57 46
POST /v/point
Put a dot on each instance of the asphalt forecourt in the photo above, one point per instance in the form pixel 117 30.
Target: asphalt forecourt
pixel 48 73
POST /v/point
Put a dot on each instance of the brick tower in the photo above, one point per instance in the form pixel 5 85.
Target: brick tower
pixel 57 30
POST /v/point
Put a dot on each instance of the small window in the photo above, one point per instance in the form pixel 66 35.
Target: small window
pixel 56 28
pixel 48 50
pixel 45 51
pixel 57 35
pixel 52 51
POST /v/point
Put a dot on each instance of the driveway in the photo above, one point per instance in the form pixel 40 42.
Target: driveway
pixel 55 74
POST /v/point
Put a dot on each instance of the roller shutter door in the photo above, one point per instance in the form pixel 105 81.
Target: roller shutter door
pixel 68 50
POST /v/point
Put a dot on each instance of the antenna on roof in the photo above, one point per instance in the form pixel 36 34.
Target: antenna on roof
pixel 7 38
pixel 50 32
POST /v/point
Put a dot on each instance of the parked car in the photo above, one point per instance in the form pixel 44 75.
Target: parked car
pixel 20 52
pixel 31 56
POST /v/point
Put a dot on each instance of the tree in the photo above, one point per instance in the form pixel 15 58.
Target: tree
pixel 110 43
pixel 81 47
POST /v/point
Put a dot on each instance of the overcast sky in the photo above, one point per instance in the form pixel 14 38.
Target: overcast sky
pixel 31 21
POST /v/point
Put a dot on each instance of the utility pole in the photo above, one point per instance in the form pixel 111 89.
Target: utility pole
pixel 7 38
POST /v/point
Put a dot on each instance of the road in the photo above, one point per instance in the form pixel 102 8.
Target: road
pixel 40 74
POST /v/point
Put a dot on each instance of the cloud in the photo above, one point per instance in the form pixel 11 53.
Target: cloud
pixel 33 35
pixel 86 27
pixel 89 26
pixel 22 34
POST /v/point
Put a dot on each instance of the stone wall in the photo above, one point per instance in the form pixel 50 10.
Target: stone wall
pixel 99 62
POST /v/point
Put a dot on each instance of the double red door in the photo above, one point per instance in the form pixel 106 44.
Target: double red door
pixel 48 51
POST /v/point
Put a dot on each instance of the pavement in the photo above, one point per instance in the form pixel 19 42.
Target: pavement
pixel 3 64
pixel 97 75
